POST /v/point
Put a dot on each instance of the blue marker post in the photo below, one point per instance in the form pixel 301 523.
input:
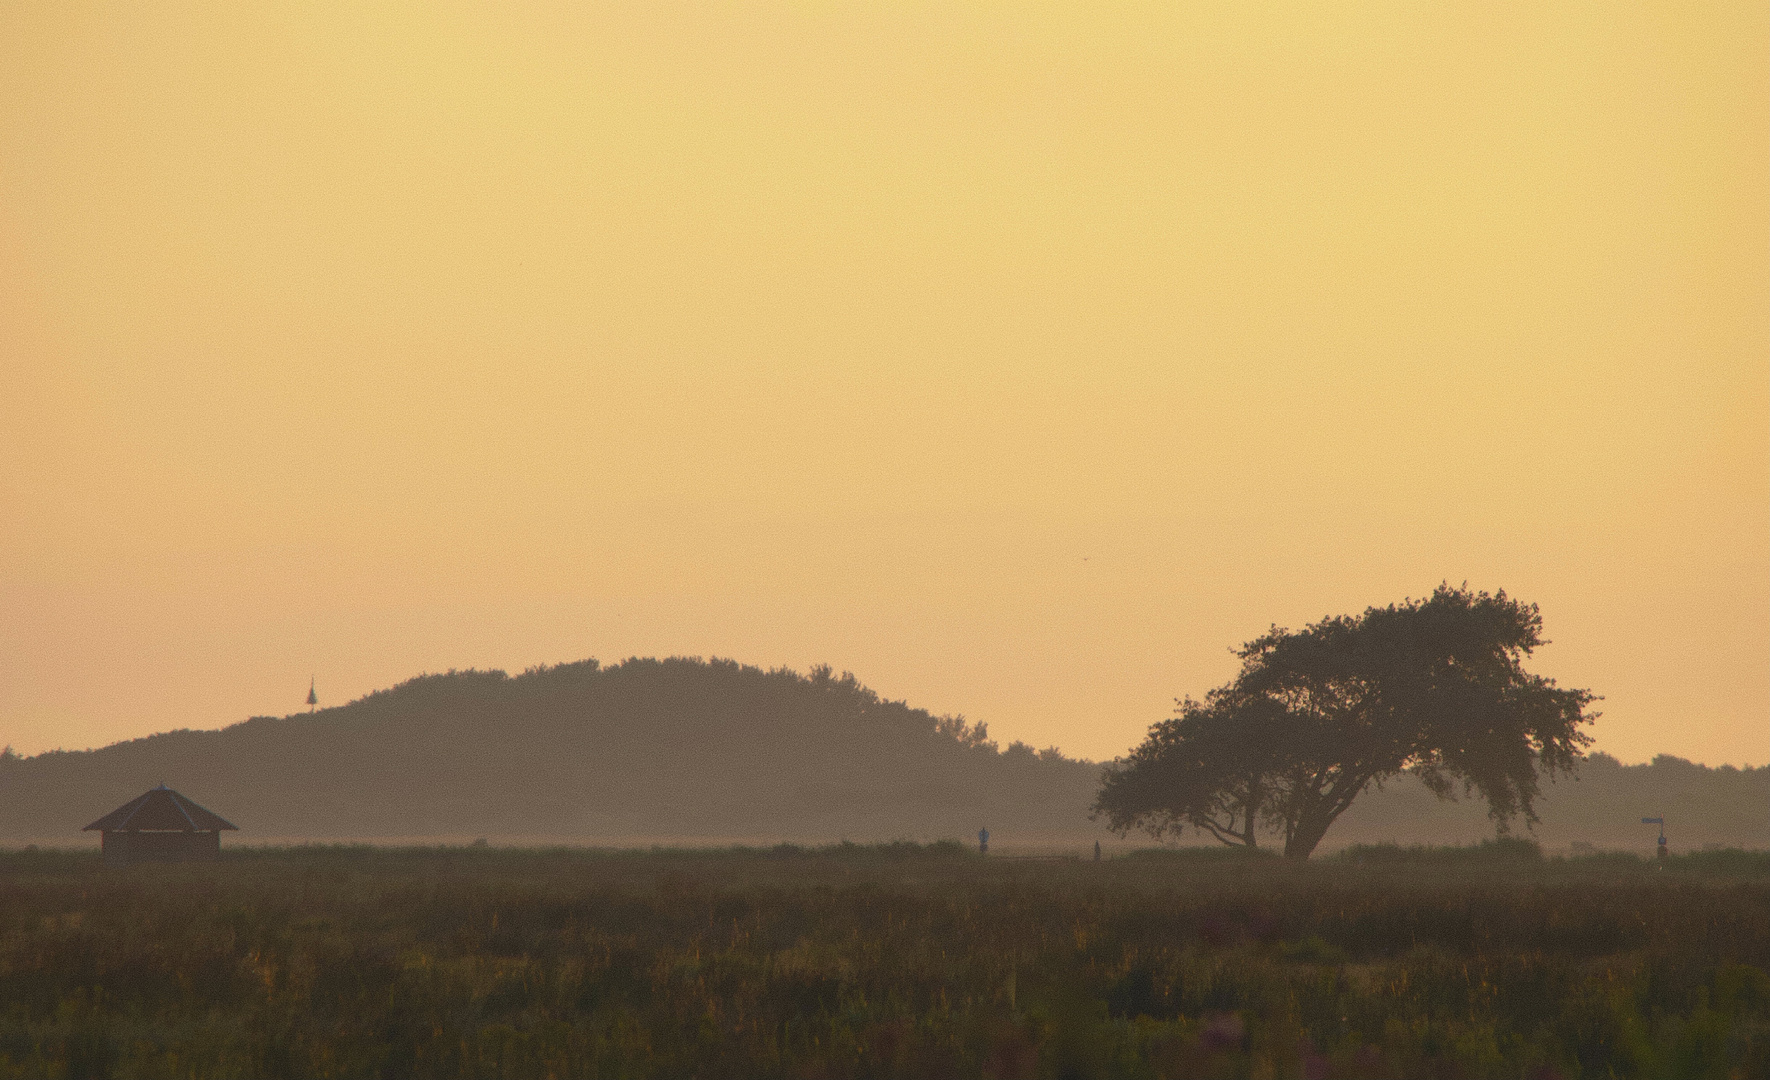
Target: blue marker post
pixel 1661 822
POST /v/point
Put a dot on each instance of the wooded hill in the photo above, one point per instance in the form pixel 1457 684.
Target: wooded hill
pixel 692 750
pixel 646 748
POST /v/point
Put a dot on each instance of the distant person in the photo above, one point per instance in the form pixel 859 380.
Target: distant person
pixel 1096 851
pixel 983 841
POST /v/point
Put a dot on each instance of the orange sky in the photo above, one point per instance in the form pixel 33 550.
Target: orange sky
pixel 1020 358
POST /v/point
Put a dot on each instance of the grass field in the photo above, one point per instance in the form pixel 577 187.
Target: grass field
pixel 893 960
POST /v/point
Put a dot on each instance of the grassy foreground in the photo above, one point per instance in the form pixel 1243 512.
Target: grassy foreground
pixel 894 960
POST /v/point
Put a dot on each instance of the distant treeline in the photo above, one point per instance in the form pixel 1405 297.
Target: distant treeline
pixel 712 749
pixel 1602 806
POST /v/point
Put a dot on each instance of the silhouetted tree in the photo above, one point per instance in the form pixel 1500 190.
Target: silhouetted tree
pixel 1436 687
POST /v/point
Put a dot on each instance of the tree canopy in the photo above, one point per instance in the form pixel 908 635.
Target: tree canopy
pixel 1435 687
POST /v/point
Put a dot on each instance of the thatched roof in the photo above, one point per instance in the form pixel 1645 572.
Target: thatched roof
pixel 161 810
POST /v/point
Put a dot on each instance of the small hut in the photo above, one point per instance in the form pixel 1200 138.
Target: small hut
pixel 161 826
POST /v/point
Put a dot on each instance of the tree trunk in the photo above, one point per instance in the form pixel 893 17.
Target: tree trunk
pixel 1302 841
pixel 1317 812
pixel 1251 812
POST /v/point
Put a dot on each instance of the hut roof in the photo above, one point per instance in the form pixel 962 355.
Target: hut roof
pixel 161 810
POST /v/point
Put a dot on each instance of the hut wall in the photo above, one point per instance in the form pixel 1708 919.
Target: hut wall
pixel 123 848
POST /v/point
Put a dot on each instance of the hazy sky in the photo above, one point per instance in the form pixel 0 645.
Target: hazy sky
pixel 1020 358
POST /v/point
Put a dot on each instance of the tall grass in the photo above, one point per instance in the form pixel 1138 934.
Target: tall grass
pixel 877 961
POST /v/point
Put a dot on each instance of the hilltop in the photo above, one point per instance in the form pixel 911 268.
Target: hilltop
pixel 711 750
pixel 682 747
